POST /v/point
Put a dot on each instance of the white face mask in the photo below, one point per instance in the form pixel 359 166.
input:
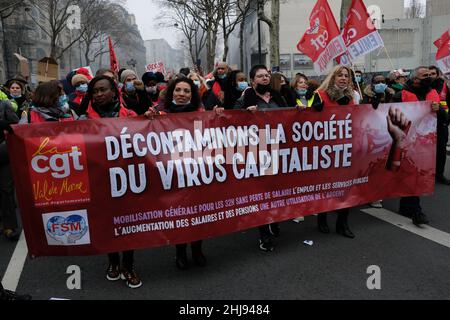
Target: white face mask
pixel 340 89
pixel 179 104
pixel 151 90
pixel 197 83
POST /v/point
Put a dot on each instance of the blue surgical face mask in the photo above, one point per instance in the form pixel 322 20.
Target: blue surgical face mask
pixel 62 101
pixel 16 96
pixel 82 88
pixel 222 77
pixel 358 78
pixel 242 85
pixel 380 87
pixel 301 92
pixel 129 87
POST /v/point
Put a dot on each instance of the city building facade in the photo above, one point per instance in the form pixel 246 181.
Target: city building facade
pixel 160 50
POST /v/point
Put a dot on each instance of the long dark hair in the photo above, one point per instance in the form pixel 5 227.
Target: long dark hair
pixel 231 92
pixel 195 98
pixel 47 94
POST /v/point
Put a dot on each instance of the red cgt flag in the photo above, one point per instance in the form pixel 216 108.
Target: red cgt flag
pixel 322 42
pixel 359 34
pixel 443 54
pixel 113 58
pixel 445 36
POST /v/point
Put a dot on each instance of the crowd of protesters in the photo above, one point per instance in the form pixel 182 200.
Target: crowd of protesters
pixel 109 95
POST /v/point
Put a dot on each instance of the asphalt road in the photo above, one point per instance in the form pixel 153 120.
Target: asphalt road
pixel 334 267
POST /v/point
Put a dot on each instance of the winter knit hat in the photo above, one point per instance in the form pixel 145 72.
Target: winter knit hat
pixel 79 78
pixel 126 73
pixel 85 72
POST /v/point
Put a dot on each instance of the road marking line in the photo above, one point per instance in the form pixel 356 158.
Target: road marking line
pixel 12 275
pixel 404 223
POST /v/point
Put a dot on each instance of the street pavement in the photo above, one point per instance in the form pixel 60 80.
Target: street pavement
pixel 412 267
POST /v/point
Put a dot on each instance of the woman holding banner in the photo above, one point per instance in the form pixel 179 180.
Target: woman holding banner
pixel 105 103
pixel 183 96
pixel 337 89
pixel 261 96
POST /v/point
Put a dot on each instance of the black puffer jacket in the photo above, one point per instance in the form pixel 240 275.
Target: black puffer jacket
pixel 7 117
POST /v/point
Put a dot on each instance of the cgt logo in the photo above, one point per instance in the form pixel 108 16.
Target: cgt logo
pixel 67 228
pixel 58 163
pixel 58 170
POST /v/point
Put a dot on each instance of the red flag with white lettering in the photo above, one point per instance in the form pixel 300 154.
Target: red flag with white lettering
pixel 443 54
pixel 359 34
pixel 113 58
pixel 445 36
pixel 322 42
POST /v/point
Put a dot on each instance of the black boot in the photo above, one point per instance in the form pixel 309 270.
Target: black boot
pixel 342 225
pixel 181 258
pixel 197 254
pixel 322 223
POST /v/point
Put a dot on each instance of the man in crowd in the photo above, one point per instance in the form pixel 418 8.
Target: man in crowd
pixel 417 89
pixel 441 86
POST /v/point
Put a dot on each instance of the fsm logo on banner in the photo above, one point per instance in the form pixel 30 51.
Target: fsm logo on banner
pixel 58 170
pixel 70 228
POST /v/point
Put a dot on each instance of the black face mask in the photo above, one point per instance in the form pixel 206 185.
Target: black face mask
pixel 426 83
pixel 263 88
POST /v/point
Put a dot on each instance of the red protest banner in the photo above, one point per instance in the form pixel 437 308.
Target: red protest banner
pixel 322 42
pixel 120 184
pixel 443 53
pixel 359 33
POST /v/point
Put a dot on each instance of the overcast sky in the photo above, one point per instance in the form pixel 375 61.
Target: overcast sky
pixel 146 12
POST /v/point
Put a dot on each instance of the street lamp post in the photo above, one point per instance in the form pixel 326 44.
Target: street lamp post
pixel 259 33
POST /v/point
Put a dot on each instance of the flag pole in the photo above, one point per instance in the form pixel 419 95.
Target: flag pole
pixel 389 57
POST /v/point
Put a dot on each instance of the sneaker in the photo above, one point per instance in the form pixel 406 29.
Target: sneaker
pixel 266 245
pixel 6 295
pixel 113 273
pixel 11 234
pixel 299 219
pixel 442 180
pixel 131 277
pixel 405 213
pixel 420 218
pixel 377 204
